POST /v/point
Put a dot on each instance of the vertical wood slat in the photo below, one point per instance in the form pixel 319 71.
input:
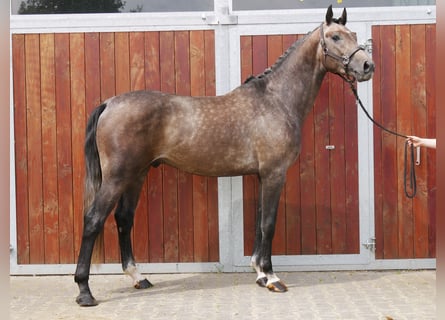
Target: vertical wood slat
pixel 34 141
pixel 108 82
pixel 78 116
pixel 170 175
pixel 322 177
pixel 212 182
pixel 351 174
pixel 337 164
pixel 64 163
pixel 378 172
pixel 200 213
pixel 49 148
pixel 92 100
pixel 140 232
pixel 430 82
pixel 419 112
pixel 50 203
pixel 155 203
pixel 20 134
pixel 292 191
pixel 184 72
pixel 249 182
pixel 404 112
pixel 389 160
pixel 274 51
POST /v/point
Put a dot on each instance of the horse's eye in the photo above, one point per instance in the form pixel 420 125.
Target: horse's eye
pixel 335 37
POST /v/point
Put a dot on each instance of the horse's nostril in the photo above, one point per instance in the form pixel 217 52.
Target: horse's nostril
pixel 368 66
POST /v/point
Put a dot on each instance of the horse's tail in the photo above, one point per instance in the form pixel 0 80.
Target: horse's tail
pixel 93 175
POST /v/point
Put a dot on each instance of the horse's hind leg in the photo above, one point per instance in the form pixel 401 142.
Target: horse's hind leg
pixel 94 220
pixel 124 216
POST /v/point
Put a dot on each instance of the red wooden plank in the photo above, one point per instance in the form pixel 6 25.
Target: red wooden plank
pixel 34 140
pixel 404 111
pixel 322 187
pixel 152 63
pixel 430 82
pixel 274 48
pixel 246 57
pixel 249 182
pixel 250 201
pixel 92 100
pixel 155 205
pixel 418 99
pixel 21 163
pixel 389 161
pixel 212 182
pixel 351 174
pixel 200 213
pixel 274 51
pixel 337 164
pixel 293 213
pixel 378 173
pixel 137 82
pixel 78 116
pixel 122 61
pixel 92 71
pixel 49 151
pixel 201 230
pixel 170 186
pixel 155 218
pixel 108 89
pixel 292 190
pixel 209 56
pixel 307 184
pixel 64 154
pixel 183 65
pixel 308 187
pixel 212 209
pixel 259 54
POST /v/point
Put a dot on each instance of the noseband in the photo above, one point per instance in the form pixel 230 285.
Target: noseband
pixel 345 59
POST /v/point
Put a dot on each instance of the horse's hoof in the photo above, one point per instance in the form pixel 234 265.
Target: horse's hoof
pixel 143 284
pixel 262 282
pixel 277 286
pixel 86 301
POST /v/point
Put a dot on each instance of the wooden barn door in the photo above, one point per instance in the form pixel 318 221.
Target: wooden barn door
pixel 318 211
pixel 404 100
pixel 58 80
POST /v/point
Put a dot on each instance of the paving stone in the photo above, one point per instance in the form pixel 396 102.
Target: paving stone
pixel 312 295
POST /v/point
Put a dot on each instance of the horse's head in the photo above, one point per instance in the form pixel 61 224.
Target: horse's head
pixel 341 52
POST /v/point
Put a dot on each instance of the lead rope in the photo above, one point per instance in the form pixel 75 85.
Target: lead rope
pixel 412 172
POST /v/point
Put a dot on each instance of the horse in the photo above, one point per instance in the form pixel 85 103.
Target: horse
pixel 253 129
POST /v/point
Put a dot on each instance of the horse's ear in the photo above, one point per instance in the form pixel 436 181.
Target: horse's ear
pixel 343 18
pixel 329 15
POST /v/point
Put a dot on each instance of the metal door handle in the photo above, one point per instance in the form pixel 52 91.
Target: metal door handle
pixel 417 156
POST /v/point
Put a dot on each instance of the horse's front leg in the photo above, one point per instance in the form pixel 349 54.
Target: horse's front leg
pixel 269 196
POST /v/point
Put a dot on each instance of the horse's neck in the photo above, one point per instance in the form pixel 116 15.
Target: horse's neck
pixel 299 77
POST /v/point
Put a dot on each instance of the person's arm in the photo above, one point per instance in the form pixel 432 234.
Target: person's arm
pixel 422 142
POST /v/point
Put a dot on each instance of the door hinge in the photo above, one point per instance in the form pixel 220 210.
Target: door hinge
pixel 222 17
pixel 370 244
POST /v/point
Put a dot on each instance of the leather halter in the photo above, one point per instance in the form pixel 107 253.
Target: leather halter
pixel 345 59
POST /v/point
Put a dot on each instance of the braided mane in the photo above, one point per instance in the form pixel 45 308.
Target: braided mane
pixel 280 60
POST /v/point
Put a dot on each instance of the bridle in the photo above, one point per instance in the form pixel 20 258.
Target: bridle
pixel 345 60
